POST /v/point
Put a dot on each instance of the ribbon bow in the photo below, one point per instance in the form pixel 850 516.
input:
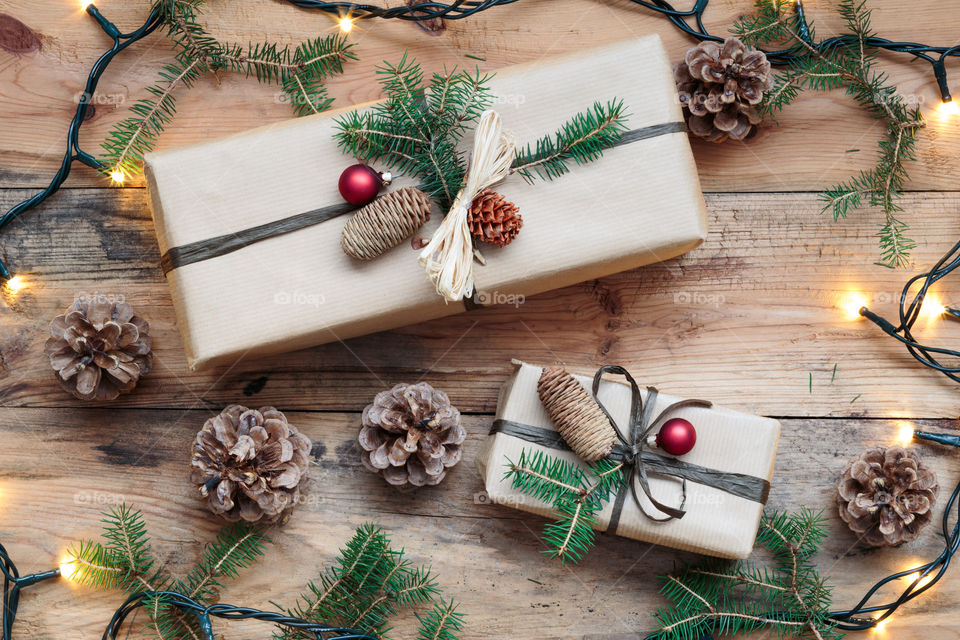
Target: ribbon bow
pixel 448 257
pixel 631 450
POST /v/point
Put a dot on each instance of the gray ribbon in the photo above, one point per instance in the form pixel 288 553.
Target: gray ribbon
pixel 638 461
pixel 201 250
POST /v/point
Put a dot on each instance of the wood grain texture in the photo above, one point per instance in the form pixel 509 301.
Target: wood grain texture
pixel 488 556
pixel 821 140
pixel 750 315
pixel 749 320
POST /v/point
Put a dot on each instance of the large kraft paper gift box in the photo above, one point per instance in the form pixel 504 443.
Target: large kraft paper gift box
pixel 640 203
pixel 716 523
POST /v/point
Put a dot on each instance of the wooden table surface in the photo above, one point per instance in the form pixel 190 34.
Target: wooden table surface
pixel 750 320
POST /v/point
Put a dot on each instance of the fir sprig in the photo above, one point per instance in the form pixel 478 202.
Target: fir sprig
pixel 850 66
pixel 369 584
pixel 577 495
pixel 124 561
pixel 418 125
pixel 789 598
pixel 583 139
pixel 416 128
pixel 300 71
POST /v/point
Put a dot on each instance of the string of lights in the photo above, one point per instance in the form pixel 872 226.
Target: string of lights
pixel 689 21
pixel 910 311
pixel 13 583
pixel 204 613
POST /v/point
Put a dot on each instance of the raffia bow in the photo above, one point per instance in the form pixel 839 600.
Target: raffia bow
pixel 448 257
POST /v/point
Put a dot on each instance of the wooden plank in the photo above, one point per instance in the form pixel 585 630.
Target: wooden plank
pixel 746 319
pixel 821 140
pixel 63 470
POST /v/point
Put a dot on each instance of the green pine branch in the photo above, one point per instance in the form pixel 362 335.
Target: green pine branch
pixel 417 127
pixel 300 71
pixel 443 622
pixel 583 139
pixel 849 66
pixel 577 493
pixel 124 561
pixel 787 597
pixel 368 585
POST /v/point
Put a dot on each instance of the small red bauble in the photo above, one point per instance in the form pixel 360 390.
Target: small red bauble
pixel 677 436
pixel 360 183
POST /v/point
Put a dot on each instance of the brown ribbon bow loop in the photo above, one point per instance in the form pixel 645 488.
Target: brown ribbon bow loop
pixel 631 451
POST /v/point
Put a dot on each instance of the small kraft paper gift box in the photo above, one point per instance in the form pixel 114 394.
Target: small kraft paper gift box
pixel 252 273
pixel 733 450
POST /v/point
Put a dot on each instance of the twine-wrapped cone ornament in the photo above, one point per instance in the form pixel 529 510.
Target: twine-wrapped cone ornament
pixel 577 417
pixel 886 496
pixel 250 464
pixel 99 348
pixel 385 223
pixel 448 257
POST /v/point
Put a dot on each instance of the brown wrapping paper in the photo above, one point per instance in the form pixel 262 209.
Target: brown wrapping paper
pixel 640 203
pixel 716 523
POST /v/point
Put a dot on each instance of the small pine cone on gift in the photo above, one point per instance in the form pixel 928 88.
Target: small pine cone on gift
pixel 411 435
pixel 99 348
pixel 250 464
pixel 887 496
pixel 492 219
pixel 720 86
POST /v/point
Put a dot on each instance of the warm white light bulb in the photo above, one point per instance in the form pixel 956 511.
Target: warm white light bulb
pixel 851 304
pixel 346 24
pixel 117 176
pixel 932 308
pixel 68 567
pixel 84 4
pixel 905 434
pixel 16 283
pixel 948 109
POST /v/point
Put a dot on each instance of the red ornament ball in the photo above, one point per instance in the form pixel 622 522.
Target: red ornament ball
pixel 360 184
pixel 677 436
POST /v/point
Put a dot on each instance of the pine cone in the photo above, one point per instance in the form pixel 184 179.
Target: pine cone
pixel 492 219
pixel 99 349
pixel 887 496
pixel 250 464
pixel 411 435
pixel 720 86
